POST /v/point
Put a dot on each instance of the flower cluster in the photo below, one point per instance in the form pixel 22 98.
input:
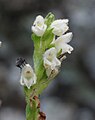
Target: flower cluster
pixel 51 40
pixel 60 44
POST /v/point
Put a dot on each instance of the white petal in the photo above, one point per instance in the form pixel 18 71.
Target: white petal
pixel 59 26
pixel 66 48
pixel 66 21
pixel 64 38
pixel 59 22
pixel 68 37
pixel 28 83
pixel 37 31
pixel 49 56
pixel 39 20
pixel 50 52
pixel 46 63
pixel 58 63
pixel 60 30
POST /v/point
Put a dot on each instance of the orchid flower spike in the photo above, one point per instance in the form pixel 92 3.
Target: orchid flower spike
pixel 28 77
pixel 60 26
pixel 39 27
pixel 51 62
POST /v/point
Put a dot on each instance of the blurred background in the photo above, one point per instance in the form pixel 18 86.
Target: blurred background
pixel 71 96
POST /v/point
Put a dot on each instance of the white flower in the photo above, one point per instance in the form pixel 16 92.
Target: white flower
pixel 60 26
pixel 39 27
pixel 28 77
pixel 61 43
pixel 51 63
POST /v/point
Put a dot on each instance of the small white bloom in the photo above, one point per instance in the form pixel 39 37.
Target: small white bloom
pixel 51 62
pixel 28 77
pixel 61 43
pixel 39 27
pixel 60 26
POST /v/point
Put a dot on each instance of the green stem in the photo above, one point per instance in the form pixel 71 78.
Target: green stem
pixel 32 110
